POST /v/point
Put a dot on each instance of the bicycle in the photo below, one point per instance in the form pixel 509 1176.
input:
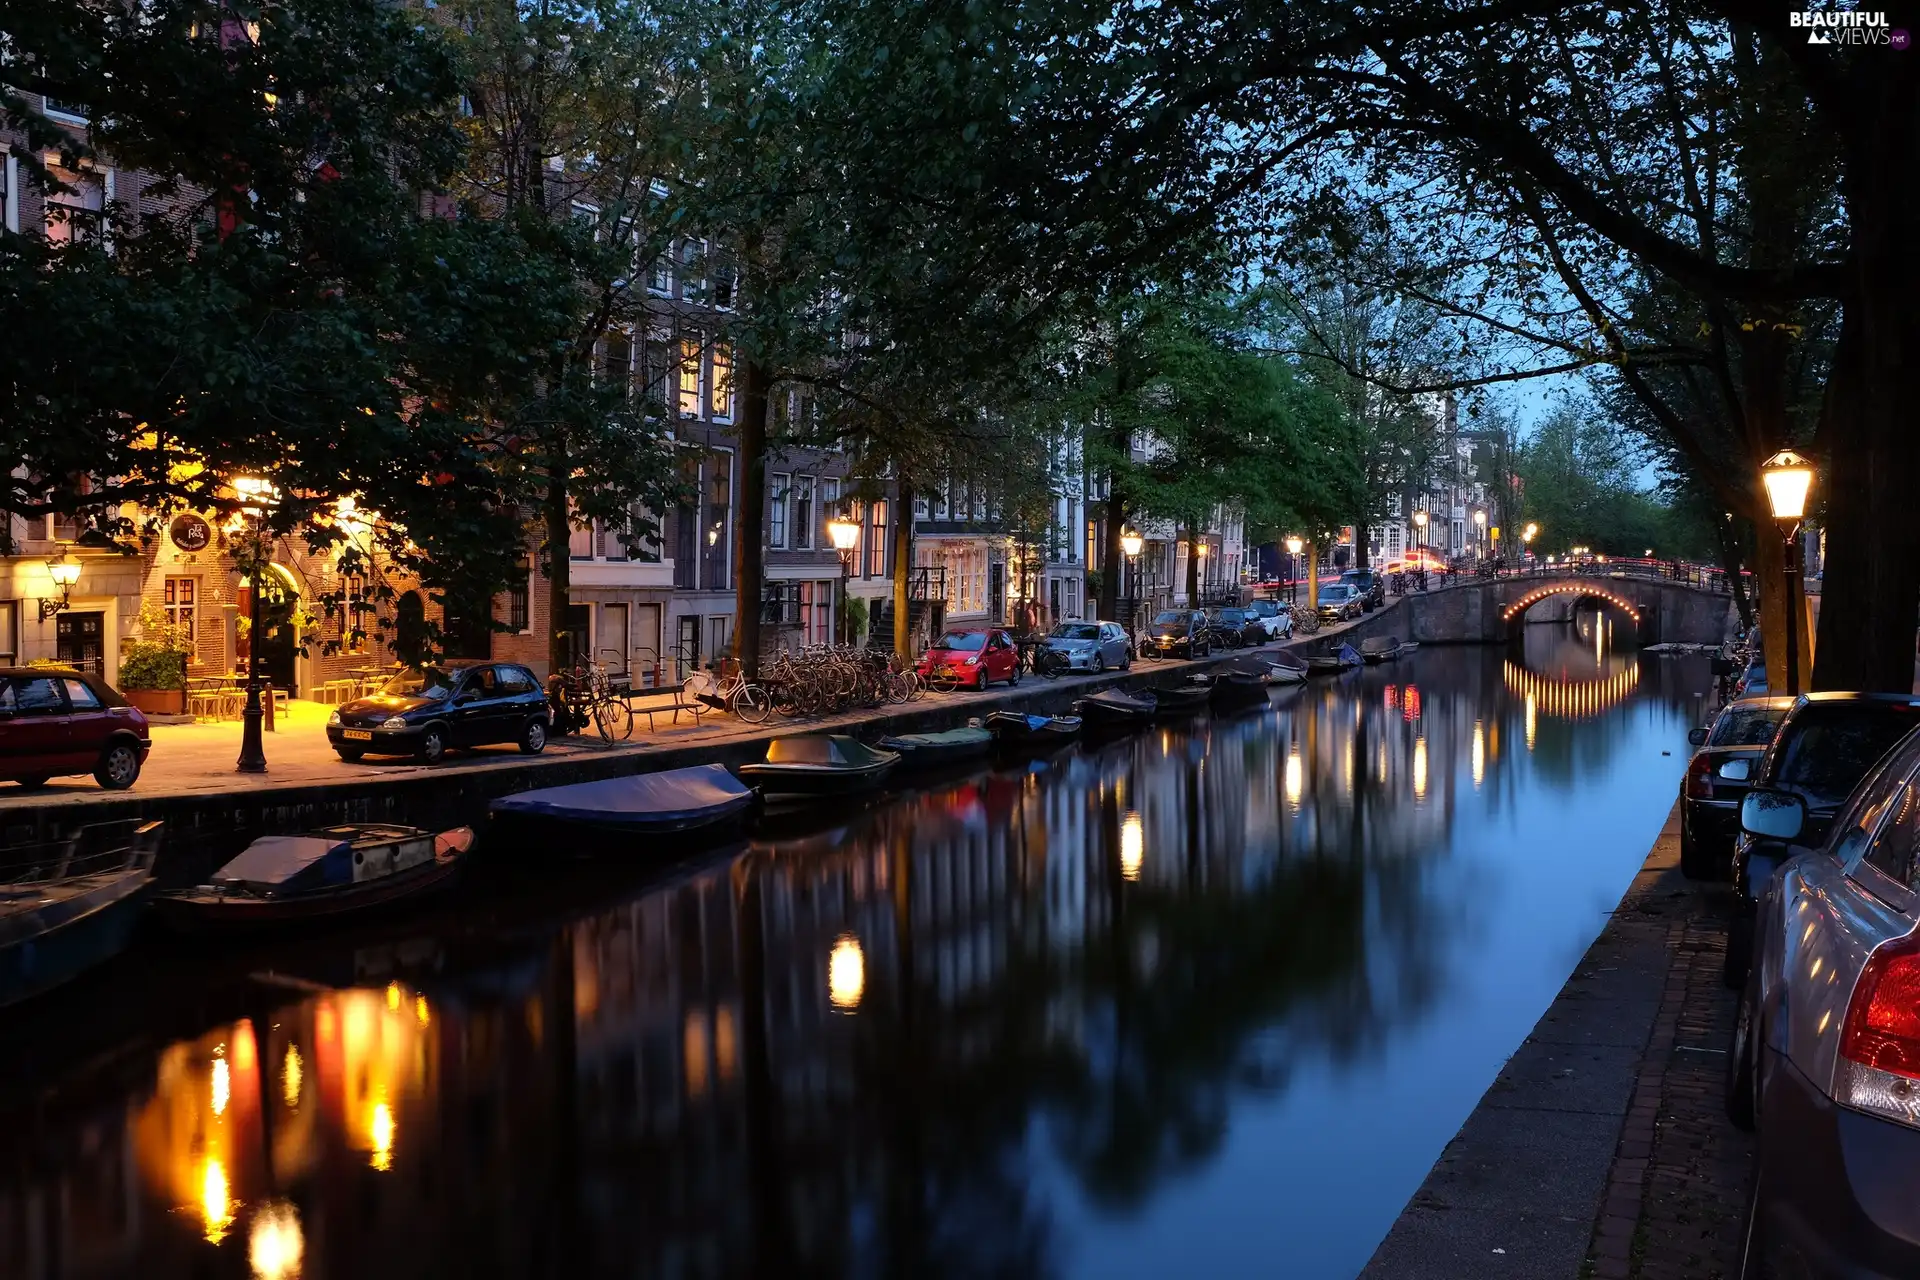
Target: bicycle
pixel 732 691
pixel 1306 622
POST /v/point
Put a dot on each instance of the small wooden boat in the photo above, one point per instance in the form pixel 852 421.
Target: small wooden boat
pixel 1326 664
pixel 819 764
pixel 335 872
pixel 670 802
pixel 1285 667
pixel 61 917
pixel 1182 700
pixel 1237 689
pixel 1113 710
pixel 929 750
pixel 1378 649
pixel 1011 729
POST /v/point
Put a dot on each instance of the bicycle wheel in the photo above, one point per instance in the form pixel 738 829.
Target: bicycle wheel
pixel 618 714
pixel 600 722
pixel 751 703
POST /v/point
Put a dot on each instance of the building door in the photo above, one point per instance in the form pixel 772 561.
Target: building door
pixel 80 641
pixel 270 624
pixel 615 650
pixel 579 634
pixel 997 592
pixel 646 643
pixel 686 646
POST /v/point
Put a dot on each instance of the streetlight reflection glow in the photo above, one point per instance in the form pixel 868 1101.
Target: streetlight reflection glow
pixel 846 974
pixel 1479 754
pixel 1133 845
pixel 1295 778
pixel 275 1244
pixel 216 1200
pixel 1419 768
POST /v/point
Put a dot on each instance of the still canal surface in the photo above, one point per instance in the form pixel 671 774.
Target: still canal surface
pixel 1205 1001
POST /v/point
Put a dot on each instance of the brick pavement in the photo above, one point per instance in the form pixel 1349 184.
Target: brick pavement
pixel 1675 1206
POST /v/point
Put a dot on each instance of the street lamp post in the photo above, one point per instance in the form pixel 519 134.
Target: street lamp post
pixel 1788 476
pixel 844 534
pixel 256 496
pixel 1130 545
pixel 1480 524
pixel 1420 536
pixel 1293 567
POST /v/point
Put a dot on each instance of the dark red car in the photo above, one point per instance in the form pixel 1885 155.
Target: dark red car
pixel 55 721
pixel 972 659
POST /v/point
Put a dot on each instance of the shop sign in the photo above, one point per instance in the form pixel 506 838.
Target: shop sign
pixel 190 532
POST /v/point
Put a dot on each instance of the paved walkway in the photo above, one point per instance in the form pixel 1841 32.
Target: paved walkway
pixel 1601 1150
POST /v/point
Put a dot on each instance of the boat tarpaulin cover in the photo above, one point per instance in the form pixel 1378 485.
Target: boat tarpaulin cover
pixel 277 862
pixel 643 799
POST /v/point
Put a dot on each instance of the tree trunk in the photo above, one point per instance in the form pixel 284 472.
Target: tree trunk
pixel 750 520
pixel 1111 556
pixel 1723 532
pixel 1311 554
pixel 1360 544
pixel 903 569
pixel 1193 567
pixel 559 562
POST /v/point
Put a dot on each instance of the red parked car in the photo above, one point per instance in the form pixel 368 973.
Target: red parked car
pixel 55 721
pixel 974 659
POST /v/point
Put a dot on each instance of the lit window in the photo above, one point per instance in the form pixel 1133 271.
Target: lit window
pixel 722 399
pixel 689 378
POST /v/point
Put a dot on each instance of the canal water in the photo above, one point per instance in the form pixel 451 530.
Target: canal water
pixel 1209 1000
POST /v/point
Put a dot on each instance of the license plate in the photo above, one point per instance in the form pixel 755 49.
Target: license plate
pixel 357 735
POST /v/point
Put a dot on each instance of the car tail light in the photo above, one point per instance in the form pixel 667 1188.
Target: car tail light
pixel 1879 1067
pixel 1700 777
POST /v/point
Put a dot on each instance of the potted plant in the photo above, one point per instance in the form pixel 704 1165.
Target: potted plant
pixel 153 665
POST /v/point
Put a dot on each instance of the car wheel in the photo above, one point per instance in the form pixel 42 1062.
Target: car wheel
pixel 1695 863
pixel 352 755
pixel 35 782
pixel 533 738
pixel 119 766
pixel 433 744
pixel 1099 663
pixel 981 682
pixel 1741 1094
pixel 1013 676
pixel 1733 970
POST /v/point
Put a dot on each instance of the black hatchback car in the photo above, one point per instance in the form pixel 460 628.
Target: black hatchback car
pixel 1231 628
pixel 462 703
pixel 1822 750
pixel 1179 633
pixel 1371 586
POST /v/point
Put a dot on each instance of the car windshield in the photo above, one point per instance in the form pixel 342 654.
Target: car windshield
pixel 1747 727
pixel 1264 609
pixel 1358 577
pixel 1830 748
pixel 965 641
pixel 1336 593
pixel 431 683
pixel 1171 618
pixel 1229 615
pixel 1076 631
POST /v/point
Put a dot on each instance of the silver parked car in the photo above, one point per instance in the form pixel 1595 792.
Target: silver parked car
pixel 1091 646
pixel 1826 1048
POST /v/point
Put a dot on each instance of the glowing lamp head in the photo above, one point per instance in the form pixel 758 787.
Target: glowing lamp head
pixel 1420 518
pixel 1131 542
pixel 1293 546
pixel 843 534
pixel 1480 518
pixel 65 571
pixel 1788 476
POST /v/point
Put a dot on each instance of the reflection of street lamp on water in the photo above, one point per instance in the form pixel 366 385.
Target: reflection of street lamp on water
pixel 1788 476
pixel 846 974
pixel 843 533
pixel 1133 845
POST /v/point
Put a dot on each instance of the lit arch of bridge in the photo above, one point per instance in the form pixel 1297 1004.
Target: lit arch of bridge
pixel 1538 594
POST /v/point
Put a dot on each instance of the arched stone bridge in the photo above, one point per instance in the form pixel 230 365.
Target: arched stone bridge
pixel 1495 609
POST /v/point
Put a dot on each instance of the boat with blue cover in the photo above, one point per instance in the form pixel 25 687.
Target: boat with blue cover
pixel 926 750
pixel 819 764
pixel 64 913
pixel 1012 729
pixel 342 871
pixel 671 801
pixel 1342 658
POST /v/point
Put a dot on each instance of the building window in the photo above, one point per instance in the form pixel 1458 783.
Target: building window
pixel 689 378
pixel 877 538
pixel 520 600
pixel 616 361
pixel 356 613
pixel 10 192
pixel 660 274
pixel 722 398
pixel 802 513
pixel 716 535
pixel 721 284
pixel 77 214
pixel 181 596
pixel 657 359
pixel 778 489
pixel 691 252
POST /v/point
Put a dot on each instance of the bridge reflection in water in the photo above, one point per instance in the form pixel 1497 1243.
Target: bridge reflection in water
pixel 1203 1001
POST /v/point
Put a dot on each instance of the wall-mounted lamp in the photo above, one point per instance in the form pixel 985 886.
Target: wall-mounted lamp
pixel 65 572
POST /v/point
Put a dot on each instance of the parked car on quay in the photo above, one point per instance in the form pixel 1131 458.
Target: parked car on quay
pixel 973 657
pixel 1234 628
pixel 1825 1053
pixel 56 721
pixel 1709 803
pixel 1275 615
pixel 1824 747
pixel 1371 586
pixel 1339 601
pixel 1091 646
pixel 1179 633
pixel 458 703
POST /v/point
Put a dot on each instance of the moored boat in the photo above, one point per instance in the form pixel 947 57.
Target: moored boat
pixel 819 764
pixel 328 874
pixel 1339 660
pixel 1113 710
pixel 1235 689
pixel 1377 649
pixel 61 916
pixel 1285 667
pixel 928 750
pixel 1012 729
pixel 670 802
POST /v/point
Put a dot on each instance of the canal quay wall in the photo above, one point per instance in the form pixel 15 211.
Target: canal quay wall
pixel 1602 1149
